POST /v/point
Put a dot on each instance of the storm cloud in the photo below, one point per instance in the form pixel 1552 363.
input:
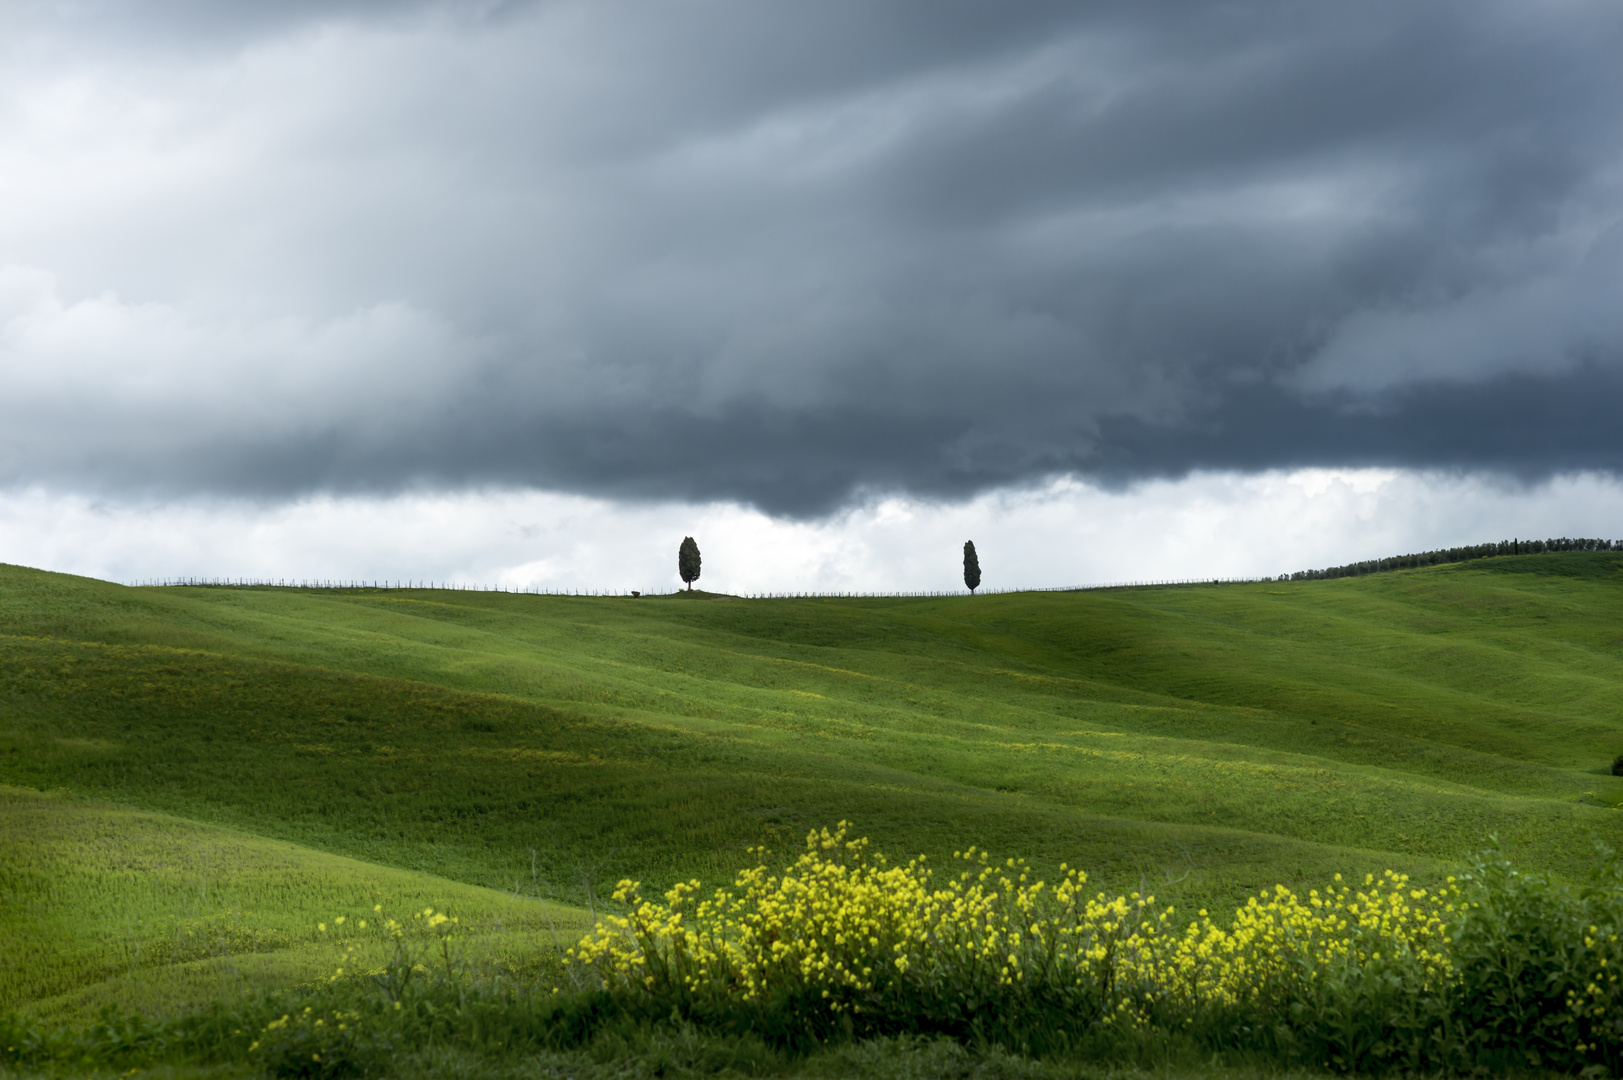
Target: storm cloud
pixel 796 255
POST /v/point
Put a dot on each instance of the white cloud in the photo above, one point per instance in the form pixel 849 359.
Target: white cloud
pixel 1066 533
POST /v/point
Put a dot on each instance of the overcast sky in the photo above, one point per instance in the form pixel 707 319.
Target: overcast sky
pixel 799 262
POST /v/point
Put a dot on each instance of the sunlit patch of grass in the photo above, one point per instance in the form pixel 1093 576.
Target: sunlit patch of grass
pixel 110 906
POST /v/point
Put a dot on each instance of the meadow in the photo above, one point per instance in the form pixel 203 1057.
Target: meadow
pixel 107 906
pixel 483 751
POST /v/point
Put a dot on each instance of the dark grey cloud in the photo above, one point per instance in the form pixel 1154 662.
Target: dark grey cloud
pixel 181 23
pixel 791 254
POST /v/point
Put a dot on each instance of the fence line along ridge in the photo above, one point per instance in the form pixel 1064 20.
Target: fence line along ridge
pixel 380 584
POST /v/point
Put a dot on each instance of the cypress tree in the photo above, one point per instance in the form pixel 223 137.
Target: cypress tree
pixel 972 567
pixel 687 561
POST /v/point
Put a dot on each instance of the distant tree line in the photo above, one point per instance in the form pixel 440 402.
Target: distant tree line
pixel 1457 554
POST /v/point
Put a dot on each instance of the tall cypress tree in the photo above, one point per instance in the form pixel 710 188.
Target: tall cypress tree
pixel 972 567
pixel 687 561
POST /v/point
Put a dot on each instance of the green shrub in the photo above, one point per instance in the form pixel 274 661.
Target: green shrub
pixel 1538 967
pixel 326 1043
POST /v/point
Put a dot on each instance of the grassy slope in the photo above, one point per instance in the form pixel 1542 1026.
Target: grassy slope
pixel 1217 738
pixel 104 904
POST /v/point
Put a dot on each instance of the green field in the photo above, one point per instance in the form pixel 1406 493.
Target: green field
pixel 278 754
pixel 111 906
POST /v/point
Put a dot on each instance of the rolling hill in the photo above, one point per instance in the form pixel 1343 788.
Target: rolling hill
pixel 1204 740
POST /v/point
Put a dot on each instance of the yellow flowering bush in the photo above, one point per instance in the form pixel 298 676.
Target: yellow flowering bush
pixel 310 1043
pixel 396 959
pixel 842 931
pixel 842 934
pixel 1282 948
pixel 393 952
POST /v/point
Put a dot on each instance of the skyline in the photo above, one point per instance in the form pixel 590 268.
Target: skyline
pixel 1062 535
pixel 802 263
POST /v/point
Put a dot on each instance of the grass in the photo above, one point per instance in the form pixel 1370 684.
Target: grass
pixel 1235 734
pixel 110 906
pixel 684 1053
pixel 1206 740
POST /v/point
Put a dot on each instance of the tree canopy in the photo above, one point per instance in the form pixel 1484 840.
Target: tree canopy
pixel 687 561
pixel 972 566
